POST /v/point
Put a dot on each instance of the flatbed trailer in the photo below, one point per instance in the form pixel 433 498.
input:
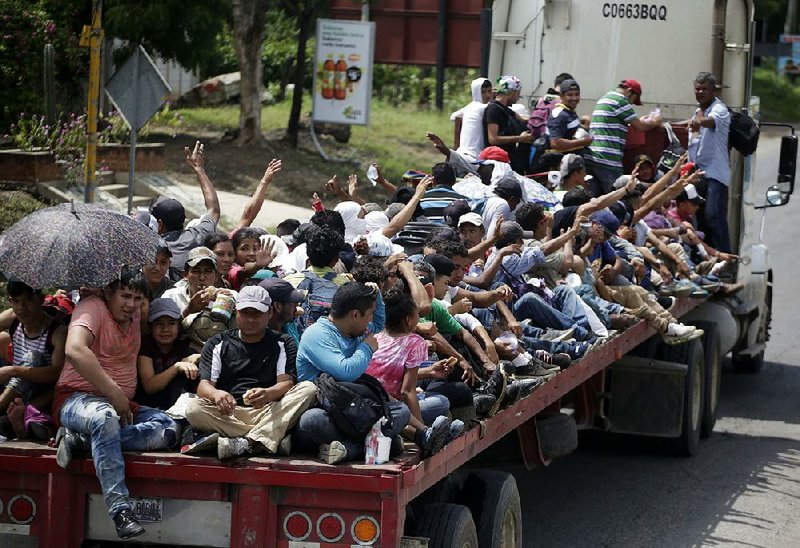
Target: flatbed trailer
pixel 294 502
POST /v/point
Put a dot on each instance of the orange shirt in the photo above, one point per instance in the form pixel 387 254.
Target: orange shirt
pixel 115 350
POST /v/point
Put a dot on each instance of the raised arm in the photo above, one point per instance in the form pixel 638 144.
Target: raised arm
pixel 253 206
pixel 196 161
pixel 404 215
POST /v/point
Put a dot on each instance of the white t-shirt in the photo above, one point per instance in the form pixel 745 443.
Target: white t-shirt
pixel 471 136
pixel 494 207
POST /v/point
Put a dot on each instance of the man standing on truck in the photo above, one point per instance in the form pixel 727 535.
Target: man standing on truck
pixel 612 115
pixel 708 148
pixel 503 128
pixel 94 392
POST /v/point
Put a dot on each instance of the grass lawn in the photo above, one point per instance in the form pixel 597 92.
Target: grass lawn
pixel 780 100
pixel 395 139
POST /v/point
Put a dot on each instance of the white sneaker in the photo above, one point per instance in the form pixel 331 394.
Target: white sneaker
pixel 333 453
pixel 232 447
pixel 680 330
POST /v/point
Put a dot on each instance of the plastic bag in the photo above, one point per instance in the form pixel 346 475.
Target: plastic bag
pixel 376 445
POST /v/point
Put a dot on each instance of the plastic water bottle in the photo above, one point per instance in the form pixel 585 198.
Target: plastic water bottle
pixel 372 174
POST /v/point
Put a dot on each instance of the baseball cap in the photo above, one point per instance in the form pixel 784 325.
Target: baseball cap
pixel 508 188
pixel 494 153
pixel 394 209
pixel 199 254
pixel 621 181
pixel 440 263
pixel 453 212
pixel 571 163
pixel 511 232
pixel 471 218
pixel 635 87
pixel 254 296
pixel 607 220
pixel 170 211
pixel 643 158
pixel 163 307
pixel 568 85
pixel 690 194
pixel 281 291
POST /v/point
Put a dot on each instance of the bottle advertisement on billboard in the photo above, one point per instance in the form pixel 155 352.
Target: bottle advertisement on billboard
pixel 343 71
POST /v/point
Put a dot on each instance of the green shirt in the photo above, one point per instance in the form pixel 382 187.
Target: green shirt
pixel 609 129
pixel 445 322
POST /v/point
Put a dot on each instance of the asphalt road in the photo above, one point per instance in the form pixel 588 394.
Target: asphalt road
pixel 743 487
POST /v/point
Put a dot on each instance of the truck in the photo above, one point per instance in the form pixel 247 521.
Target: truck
pixel 633 384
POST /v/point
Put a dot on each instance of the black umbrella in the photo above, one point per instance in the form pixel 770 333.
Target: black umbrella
pixel 70 245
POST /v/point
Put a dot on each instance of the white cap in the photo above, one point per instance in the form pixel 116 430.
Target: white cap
pixel 470 218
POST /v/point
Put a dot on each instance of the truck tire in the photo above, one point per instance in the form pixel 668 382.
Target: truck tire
pixel 712 355
pixel 446 526
pixel 691 354
pixel 744 363
pixel 493 499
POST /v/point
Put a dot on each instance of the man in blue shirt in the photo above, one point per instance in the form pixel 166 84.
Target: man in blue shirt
pixel 342 345
pixel 708 148
pixel 564 123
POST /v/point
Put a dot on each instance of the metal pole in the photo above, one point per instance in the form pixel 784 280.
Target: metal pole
pixel 365 11
pixel 134 128
pixel 486 40
pixel 441 53
pixel 93 38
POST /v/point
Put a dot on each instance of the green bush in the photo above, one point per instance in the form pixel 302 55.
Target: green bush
pixel 780 100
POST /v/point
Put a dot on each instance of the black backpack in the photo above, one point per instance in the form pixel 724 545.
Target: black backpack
pixel 353 406
pixel 743 134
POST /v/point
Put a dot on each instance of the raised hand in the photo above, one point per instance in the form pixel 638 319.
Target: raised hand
pixel 273 167
pixel 195 157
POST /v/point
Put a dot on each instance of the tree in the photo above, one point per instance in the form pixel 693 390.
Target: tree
pixel 249 18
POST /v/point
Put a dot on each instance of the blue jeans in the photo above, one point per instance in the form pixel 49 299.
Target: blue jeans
pixel 316 428
pixel 433 405
pixel 567 313
pixel 603 178
pixel 716 214
pixel 152 429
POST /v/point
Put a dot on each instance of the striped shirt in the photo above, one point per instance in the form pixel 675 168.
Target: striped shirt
pixel 436 199
pixel 609 128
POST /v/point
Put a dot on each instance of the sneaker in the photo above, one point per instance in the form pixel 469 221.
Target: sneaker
pixel 557 335
pixel 435 437
pixel 671 339
pixel 69 445
pixel 126 524
pixel 207 443
pixel 557 361
pixel 522 388
pixel 496 385
pixel 698 293
pixel 228 448
pixel 333 452
pixel 457 428
pixel 622 321
pixel 667 290
pixel 188 436
pixel 683 288
pixel 285 446
pixel 679 330
pixel 483 403
pixel 397 448
pixel 535 369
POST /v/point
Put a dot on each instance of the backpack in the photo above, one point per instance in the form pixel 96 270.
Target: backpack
pixel 744 132
pixel 671 154
pixel 540 114
pixel 319 296
pixel 205 325
pixel 353 406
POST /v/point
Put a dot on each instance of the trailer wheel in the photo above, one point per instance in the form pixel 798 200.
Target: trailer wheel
pixel 446 526
pixel 493 498
pixel 691 354
pixel 713 375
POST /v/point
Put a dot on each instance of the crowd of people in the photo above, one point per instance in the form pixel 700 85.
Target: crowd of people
pixel 462 294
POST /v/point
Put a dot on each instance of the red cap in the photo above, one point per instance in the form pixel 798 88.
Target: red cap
pixel 687 168
pixel 494 153
pixel 635 87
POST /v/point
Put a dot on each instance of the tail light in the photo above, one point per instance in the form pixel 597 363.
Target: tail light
pixel 330 527
pixel 365 530
pixel 21 509
pixel 297 526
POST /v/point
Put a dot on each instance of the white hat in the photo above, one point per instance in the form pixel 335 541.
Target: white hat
pixel 471 218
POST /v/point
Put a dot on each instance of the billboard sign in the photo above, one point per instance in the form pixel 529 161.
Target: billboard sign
pixel 789 65
pixel 343 71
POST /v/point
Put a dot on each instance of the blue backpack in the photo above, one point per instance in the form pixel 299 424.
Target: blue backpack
pixel 319 297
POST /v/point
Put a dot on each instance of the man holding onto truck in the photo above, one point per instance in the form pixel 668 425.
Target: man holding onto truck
pixel 612 115
pixel 708 148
